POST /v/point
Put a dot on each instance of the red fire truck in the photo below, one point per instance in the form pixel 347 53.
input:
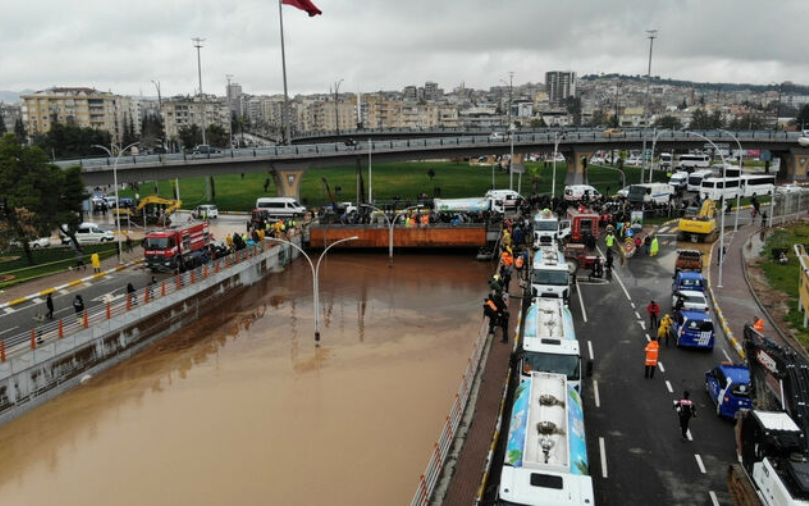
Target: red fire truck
pixel 165 250
pixel 582 221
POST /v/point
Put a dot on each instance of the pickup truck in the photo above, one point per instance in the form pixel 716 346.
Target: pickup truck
pixel 688 260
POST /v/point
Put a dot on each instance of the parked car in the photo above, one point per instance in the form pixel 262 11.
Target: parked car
pixel 89 233
pixel 691 300
pixel 209 210
pixel 42 242
pixel 693 328
pixel 497 136
pixel 728 386
pixel 204 149
pixel 613 132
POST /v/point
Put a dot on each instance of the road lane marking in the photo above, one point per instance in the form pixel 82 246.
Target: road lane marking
pixel 9 310
pixel 590 349
pixel 714 499
pixel 581 302
pixel 660 366
pixel 603 457
pixel 9 330
pixel 668 387
pixel 700 464
pixel 37 300
pixel 595 394
pixel 727 356
pixel 688 433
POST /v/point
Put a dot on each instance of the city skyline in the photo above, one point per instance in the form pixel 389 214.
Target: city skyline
pixel 387 45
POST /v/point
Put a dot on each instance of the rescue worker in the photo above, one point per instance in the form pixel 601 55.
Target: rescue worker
pixel 78 306
pixel 502 314
pixel 686 409
pixel 654 311
pixel 608 263
pixel 758 324
pixel 496 284
pixel 663 329
pixel 655 247
pixel 652 351
pixel 96 261
pixel 609 240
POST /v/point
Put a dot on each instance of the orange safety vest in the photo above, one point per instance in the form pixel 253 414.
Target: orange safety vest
pixel 759 326
pixel 518 262
pixel 492 305
pixel 652 350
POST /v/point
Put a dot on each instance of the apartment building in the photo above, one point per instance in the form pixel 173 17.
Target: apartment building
pixel 82 107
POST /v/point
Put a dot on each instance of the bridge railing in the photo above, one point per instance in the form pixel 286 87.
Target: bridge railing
pixel 116 303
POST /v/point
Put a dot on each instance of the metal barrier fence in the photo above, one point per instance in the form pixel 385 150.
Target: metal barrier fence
pixel 787 206
pixel 429 479
pixel 115 305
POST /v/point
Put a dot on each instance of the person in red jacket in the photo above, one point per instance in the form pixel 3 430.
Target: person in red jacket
pixel 654 312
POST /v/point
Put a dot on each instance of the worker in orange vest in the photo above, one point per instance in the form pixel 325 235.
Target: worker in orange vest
pixel 652 351
pixel 758 324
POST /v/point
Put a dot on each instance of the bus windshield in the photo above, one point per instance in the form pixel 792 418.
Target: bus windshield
pixel 549 277
pixel 547 362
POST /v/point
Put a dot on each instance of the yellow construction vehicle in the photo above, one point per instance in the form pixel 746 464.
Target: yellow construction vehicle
pixel 151 210
pixel 699 227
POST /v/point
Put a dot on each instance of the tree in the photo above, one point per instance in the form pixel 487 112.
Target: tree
pixel 217 136
pixel 36 195
pixel 668 121
pixel 599 118
pixel 19 131
pixel 3 128
pixel 190 136
pixel 701 120
pixel 802 120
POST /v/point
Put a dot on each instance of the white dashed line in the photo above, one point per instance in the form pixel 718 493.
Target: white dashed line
pixel 603 457
pixel 581 302
pixel 660 366
pixel 714 499
pixel 668 387
pixel 699 462
pixel 596 396
pixel 590 349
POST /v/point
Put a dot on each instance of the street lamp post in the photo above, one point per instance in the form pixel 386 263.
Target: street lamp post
pixel 556 139
pixel 315 273
pixel 741 167
pixel 115 183
pixel 198 44
pixel 721 211
pixel 391 226
pixel 652 36
pixel 511 130
pixel 654 142
pixel 337 105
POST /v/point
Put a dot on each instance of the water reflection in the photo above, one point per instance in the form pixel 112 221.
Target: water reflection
pixel 240 407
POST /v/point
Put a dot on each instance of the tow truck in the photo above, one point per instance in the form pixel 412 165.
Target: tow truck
pixel 699 227
pixel 771 439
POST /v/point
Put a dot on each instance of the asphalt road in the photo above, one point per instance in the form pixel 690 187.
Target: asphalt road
pixel 634 446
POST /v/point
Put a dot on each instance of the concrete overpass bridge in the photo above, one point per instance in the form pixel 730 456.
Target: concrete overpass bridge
pixel 288 164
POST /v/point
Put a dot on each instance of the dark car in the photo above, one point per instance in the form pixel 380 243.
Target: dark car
pixel 728 386
pixel 204 149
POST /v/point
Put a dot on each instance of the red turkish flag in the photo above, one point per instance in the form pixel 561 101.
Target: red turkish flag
pixel 304 5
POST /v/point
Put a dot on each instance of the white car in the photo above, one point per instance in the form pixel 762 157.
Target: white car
pixel 497 136
pixel 788 188
pixel 692 299
pixel 42 242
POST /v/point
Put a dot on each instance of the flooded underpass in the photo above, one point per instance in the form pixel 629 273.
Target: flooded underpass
pixel 241 407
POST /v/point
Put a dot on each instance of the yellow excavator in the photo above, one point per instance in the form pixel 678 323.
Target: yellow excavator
pixel 151 210
pixel 699 227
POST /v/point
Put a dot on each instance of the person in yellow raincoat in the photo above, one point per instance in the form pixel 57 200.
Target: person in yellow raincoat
pixel 663 329
pixel 96 260
pixel 655 246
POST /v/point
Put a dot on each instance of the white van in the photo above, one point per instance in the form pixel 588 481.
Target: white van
pixel 577 192
pixel 695 179
pixel 679 180
pixel 509 197
pixel 280 207
pixel 87 233
pixel 206 210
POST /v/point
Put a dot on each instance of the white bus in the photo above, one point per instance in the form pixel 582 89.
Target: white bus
pixel 690 162
pixel 549 341
pixel 695 179
pixel 545 462
pixel 716 188
pixel 757 184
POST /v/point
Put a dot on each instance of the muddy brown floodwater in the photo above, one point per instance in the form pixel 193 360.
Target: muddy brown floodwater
pixel 240 408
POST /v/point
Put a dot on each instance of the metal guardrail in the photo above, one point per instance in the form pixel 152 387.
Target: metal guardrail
pixel 399 145
pixel 44 331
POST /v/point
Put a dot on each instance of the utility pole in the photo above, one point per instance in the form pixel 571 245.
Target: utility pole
pixel 652 37
pixel 230 106
pixel 198 44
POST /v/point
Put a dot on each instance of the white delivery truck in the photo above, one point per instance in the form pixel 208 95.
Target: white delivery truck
pixel 548 230
pixel 550 275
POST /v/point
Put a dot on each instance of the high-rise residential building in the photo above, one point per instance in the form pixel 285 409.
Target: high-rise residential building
pixel 560 85
pixel 82 107
pixel 234 95
pixel 179 112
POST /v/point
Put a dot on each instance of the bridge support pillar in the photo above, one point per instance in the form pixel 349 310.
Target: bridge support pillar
pixel 577 165
pixel 288 180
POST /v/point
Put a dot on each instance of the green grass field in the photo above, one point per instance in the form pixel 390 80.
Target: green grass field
pixel 405 180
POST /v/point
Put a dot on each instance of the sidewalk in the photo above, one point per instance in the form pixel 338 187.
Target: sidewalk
pixel 735 302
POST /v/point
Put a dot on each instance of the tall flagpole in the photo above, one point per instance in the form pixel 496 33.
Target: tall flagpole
pixel 287 133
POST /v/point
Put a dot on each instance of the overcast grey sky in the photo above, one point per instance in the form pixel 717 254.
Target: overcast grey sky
pixel 377 45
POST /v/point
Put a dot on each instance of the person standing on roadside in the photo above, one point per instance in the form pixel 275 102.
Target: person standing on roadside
pixel 49 305
pixel 654 311
pixel 78 306
pixel 652 352
pixel 96 261
pixel 686 410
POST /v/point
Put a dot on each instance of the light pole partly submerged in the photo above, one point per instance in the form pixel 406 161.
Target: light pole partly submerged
pixel 315 274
